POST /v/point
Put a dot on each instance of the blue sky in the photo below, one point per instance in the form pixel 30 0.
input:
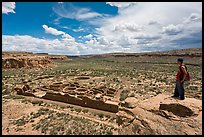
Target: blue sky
pixel 77 28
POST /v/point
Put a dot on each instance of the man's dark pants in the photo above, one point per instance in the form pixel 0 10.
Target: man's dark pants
pixel 179 90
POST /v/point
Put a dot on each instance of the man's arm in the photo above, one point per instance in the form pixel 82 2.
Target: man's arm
pixel 184 73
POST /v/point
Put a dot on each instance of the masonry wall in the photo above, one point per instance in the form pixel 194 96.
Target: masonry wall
pixel 85 102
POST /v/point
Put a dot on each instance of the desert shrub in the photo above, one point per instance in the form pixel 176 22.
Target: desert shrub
pixel 20 122
pixel 192 87
pixel 123 95
pixel 62 107
pixel 60 114
pixel 108 116
pixel 18 129
pixel 145 86
pixel 69 132
pixel 85 111
pixel 101 115
pixel 34 102
pixel 109 132
pixel 18 97
pixel 78 110
pixel 44 109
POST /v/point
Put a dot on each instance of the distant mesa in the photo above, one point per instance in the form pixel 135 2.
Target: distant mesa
pixel 191 52
pixel 29 60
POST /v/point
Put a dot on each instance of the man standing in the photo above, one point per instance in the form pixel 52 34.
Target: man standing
pixel 180 77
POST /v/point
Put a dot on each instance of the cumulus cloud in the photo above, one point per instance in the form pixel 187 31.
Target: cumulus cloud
pixel 8 7
pixel 173 29
pixel 52 31
pixel 147 25
pixel 127 26
pixel 146 39
pixel 64 46
pixel 32 44
pixel 103 41
pixel 146 36
pixel 193 39
pixel 138 27
pixel 88 36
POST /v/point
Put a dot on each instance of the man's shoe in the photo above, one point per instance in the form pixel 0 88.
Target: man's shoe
pixel 174 96
pixel 182 98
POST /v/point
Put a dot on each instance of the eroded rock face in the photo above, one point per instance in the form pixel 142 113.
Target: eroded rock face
pixel 26 62
pixel 29 60
pixel 58 57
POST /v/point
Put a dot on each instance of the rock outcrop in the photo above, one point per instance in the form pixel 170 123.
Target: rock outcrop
pixel 129 102
pixel 58 57
pixel 29 60
pixel 26 62
pixel 163 115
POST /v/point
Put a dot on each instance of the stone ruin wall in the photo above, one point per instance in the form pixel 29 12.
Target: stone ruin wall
pixel 75 95
pixel 83 101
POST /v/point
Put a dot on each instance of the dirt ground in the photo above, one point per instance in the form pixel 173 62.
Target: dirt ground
pixel 150 80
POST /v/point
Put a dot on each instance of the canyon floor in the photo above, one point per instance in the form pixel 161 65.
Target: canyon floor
pixel 142 83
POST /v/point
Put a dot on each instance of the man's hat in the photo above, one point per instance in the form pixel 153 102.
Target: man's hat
pixel 180 59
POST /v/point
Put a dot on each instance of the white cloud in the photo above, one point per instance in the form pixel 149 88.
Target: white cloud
pixel 64 46
pixel 68 10
pixel 152 22
pixel 52 31
pixel 127 26
pixel 32 44
pixel 193 18
pixel 57 21
pixel 143 26
pixel 103 41
pixel 78 30
pixel 173 29
pixel 8 7
pixel 86 14
pixel 88 36
pixel 121 4
pixel 146 36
